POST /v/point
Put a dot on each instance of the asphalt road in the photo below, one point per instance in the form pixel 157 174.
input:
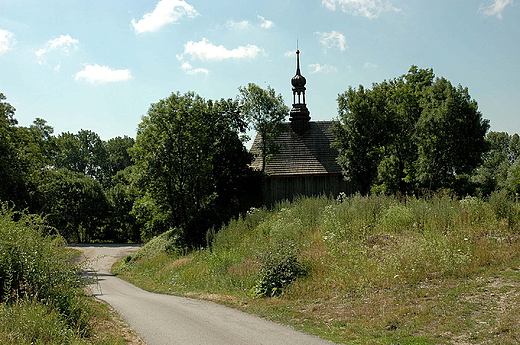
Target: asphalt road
pixel 167 320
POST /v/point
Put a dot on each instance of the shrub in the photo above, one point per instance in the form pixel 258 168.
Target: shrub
pixel 35 265
pixel 280 267
pixel 505 208
pixel 163 243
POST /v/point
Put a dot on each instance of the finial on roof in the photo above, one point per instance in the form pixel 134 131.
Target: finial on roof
pixel 298 81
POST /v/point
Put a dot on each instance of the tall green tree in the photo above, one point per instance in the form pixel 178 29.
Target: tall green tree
pixel 12 183
pixel 450 135
pixel 117 156
pixel 266 111
pixel 24 153
pixel 410 133
pixel 73 203
pixel 188 155
pixel 83 152
pixel 122 224
pixel 499 163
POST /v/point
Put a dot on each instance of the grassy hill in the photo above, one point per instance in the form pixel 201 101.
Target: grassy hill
pixel 359 270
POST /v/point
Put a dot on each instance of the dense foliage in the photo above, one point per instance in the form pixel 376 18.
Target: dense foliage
pixel 187 170
pixel 501 164
pixel 42 293
pixel 265 110
pixel 191 166
pixel 35 266
pixel 410 133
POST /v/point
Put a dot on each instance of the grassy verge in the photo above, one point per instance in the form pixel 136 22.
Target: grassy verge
pixel 360 270
pixel 42 296
pixel 33 322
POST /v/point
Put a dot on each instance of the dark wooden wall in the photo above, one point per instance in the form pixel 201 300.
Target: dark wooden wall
pixel 288 187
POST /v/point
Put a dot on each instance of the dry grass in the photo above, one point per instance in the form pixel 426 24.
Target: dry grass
pixel 109 328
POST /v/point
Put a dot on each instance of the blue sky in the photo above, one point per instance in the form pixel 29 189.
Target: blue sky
pixel 99 64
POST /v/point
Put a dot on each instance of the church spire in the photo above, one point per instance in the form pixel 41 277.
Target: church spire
pixel 300 115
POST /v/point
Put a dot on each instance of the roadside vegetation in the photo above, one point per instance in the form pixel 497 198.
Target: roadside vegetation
pixel 359 270
pixel 42 296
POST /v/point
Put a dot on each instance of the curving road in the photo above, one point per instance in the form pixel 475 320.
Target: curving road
pixel 167 320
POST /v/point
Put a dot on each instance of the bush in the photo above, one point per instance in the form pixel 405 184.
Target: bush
pixel 35 265
pixel 280 267
pixel 163 243
pixel 505 208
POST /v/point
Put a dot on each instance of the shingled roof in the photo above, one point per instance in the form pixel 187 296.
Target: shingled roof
pixel 309 153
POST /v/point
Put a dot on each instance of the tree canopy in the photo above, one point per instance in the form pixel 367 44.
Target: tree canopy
pixel 410 133
pixel 501 164
pixel 266 111
pixel 189 163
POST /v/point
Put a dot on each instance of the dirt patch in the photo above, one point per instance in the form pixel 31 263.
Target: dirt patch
pixel 211 297
pixel 494 309
pixel 175 264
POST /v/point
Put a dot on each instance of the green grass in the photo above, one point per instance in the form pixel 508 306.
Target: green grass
pixel 371 270
pixel 42 296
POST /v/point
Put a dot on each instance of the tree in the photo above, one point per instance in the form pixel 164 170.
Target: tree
pixel 12 183
pixel 83 152
pixel 117 156
pixel 266 111
pixel 410 133
pixel 188 156
pixel 122 224
pixel 24 152
pixel 73 203
pixel 500 163
pixel 360 137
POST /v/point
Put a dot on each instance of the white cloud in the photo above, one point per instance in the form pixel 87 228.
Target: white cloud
pixel 266 24
pixel 96 74
pixel 207 51
pixel 365 8
pixel 186 67
pixel 496 8
pixel 333 39
pixel 317 68
pixel 244 24
pixel 290 53
pixel 370 65
pixel 7 41
pixel 62 44
pixel 165 12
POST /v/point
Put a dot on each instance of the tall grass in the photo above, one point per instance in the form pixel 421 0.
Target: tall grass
pixel 30 322
pixel 359 242
pixel 42 300
pixel 35 265
pixel 319 249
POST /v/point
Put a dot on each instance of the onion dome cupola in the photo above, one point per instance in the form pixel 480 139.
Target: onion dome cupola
pixel 300 115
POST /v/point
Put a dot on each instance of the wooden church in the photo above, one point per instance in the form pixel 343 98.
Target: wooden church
pixel 306 162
